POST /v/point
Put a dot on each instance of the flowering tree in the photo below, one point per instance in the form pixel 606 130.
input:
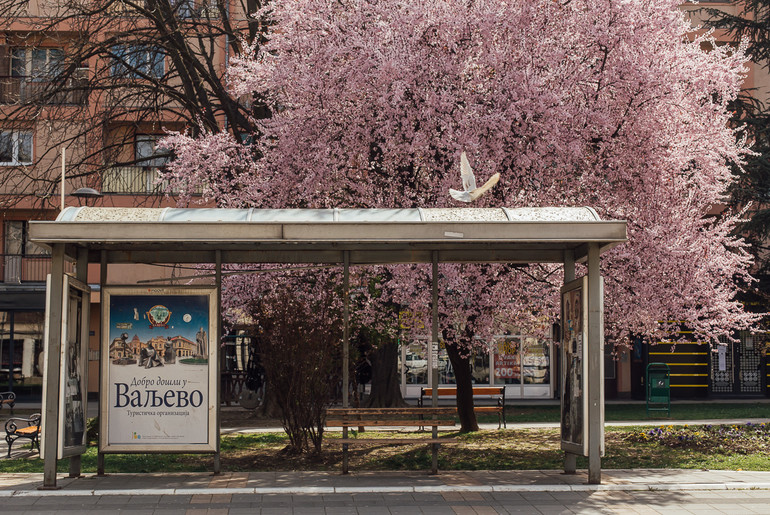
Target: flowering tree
pixel 606 103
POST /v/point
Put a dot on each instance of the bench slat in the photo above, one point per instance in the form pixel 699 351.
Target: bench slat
pixel 364 441
pixel 341 412
pixel 390 423
pixel 477 390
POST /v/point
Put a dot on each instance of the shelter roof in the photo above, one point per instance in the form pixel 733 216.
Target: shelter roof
pixel 514 235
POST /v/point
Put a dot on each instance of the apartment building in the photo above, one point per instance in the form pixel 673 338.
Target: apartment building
pixel 86 91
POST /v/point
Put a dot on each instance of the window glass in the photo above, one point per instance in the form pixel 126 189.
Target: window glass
pixel 536 360
pixel 507 361
pixel 480 367
pixel 18 62
pixel 14 237
pixel 24 142
pixel 148 153
pixel 6 147
pixel 15 148
pixel 133 61
pixel 416 363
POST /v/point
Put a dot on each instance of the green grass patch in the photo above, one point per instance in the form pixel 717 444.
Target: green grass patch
pixel 742 447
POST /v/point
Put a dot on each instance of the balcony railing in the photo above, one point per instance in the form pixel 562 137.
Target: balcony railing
pixel 30 268
pixel 25 90
pixel 136 180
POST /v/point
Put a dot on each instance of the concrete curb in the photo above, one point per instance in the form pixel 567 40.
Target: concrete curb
pixel 298 490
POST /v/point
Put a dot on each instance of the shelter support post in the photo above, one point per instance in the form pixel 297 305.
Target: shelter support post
pixel 434 356
pixel 102 284
pixel 345 349
pixel 595 367
pixel 53 375
pixel 81 271
pixel 218 340
pixel 570 459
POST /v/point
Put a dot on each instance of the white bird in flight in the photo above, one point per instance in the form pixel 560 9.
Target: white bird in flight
pixel 470 191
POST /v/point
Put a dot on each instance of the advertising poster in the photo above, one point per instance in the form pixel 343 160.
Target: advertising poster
pixel 159 369
pixel 574 354
pixel 73 379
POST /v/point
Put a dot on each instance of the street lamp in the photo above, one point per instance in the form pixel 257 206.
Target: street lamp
pixel 86 193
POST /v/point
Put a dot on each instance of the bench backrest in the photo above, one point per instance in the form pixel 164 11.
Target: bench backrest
pixel 452 391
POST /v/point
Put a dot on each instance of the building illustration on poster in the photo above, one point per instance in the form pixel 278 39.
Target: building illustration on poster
pixel 574 337
pixel 157 380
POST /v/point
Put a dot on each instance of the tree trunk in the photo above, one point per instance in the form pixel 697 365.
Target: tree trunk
pixel 462 368
pixel 386 382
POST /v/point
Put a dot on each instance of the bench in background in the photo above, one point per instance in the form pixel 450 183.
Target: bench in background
pixel 494 392
pixel 28 428
pixel 7 399
pixel 390 418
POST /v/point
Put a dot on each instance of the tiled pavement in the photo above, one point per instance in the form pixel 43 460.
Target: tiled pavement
pixel 476 492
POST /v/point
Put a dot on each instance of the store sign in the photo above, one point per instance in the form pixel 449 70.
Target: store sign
pixel 159 370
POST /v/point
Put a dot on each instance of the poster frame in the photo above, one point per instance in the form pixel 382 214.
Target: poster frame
pixel 579 284
pixel 70 283
pixel 211 443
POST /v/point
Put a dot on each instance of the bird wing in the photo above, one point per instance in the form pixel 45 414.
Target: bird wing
pixel 469 180
pixel 486 187
pixel 462 196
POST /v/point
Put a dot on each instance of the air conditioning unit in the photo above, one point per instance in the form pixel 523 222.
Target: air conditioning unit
pixel 80 74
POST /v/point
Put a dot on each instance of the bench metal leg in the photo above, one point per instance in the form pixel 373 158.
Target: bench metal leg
pixel 344 458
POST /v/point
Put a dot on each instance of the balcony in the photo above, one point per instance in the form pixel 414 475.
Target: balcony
pixel 25 90
pixel 31 268
pixel 136 180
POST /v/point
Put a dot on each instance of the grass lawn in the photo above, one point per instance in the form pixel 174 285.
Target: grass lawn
pixel 719 447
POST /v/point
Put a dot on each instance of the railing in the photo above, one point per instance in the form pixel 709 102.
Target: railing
pixel 136 179
pixel 20 268
pixel 24 90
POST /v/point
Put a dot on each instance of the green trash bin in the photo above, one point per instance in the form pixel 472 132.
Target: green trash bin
pixel 658 381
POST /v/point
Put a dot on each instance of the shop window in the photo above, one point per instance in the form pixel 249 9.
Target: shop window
pixel 507 361
pixel 15 148
pixel 416 363
pixel 535 360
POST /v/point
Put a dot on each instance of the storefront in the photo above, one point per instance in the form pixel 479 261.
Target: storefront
pixel 521 362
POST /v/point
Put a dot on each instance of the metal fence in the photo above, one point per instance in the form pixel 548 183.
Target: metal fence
pixel 20 268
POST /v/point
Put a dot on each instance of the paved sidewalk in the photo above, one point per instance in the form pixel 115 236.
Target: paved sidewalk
pixel 290 483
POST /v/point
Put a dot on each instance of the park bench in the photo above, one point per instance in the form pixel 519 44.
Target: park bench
pixel 494 392
pixel 391 419
pixel 7 399
pixel 28 428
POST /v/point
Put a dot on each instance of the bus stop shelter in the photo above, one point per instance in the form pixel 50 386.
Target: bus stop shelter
pixel 341 237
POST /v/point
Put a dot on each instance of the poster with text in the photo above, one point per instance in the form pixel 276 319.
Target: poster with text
pixel 574 359
pixel 159 369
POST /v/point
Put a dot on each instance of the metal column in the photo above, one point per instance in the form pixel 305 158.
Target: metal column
pixel 102 308
pixel 434 357
pixel 218 340
pixel 595 367
pixel 345 349
pixel 570 459
pixel 53 352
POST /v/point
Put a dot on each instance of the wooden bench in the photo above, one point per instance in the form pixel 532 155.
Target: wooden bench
pixel 497 392
pixel 28 428
pixel 417 418
pixel 7 399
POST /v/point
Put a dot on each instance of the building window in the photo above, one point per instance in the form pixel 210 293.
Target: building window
pixel 148 153
pixel 36 64
pixel 15 148
pixel 17 239
pixel 136 61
